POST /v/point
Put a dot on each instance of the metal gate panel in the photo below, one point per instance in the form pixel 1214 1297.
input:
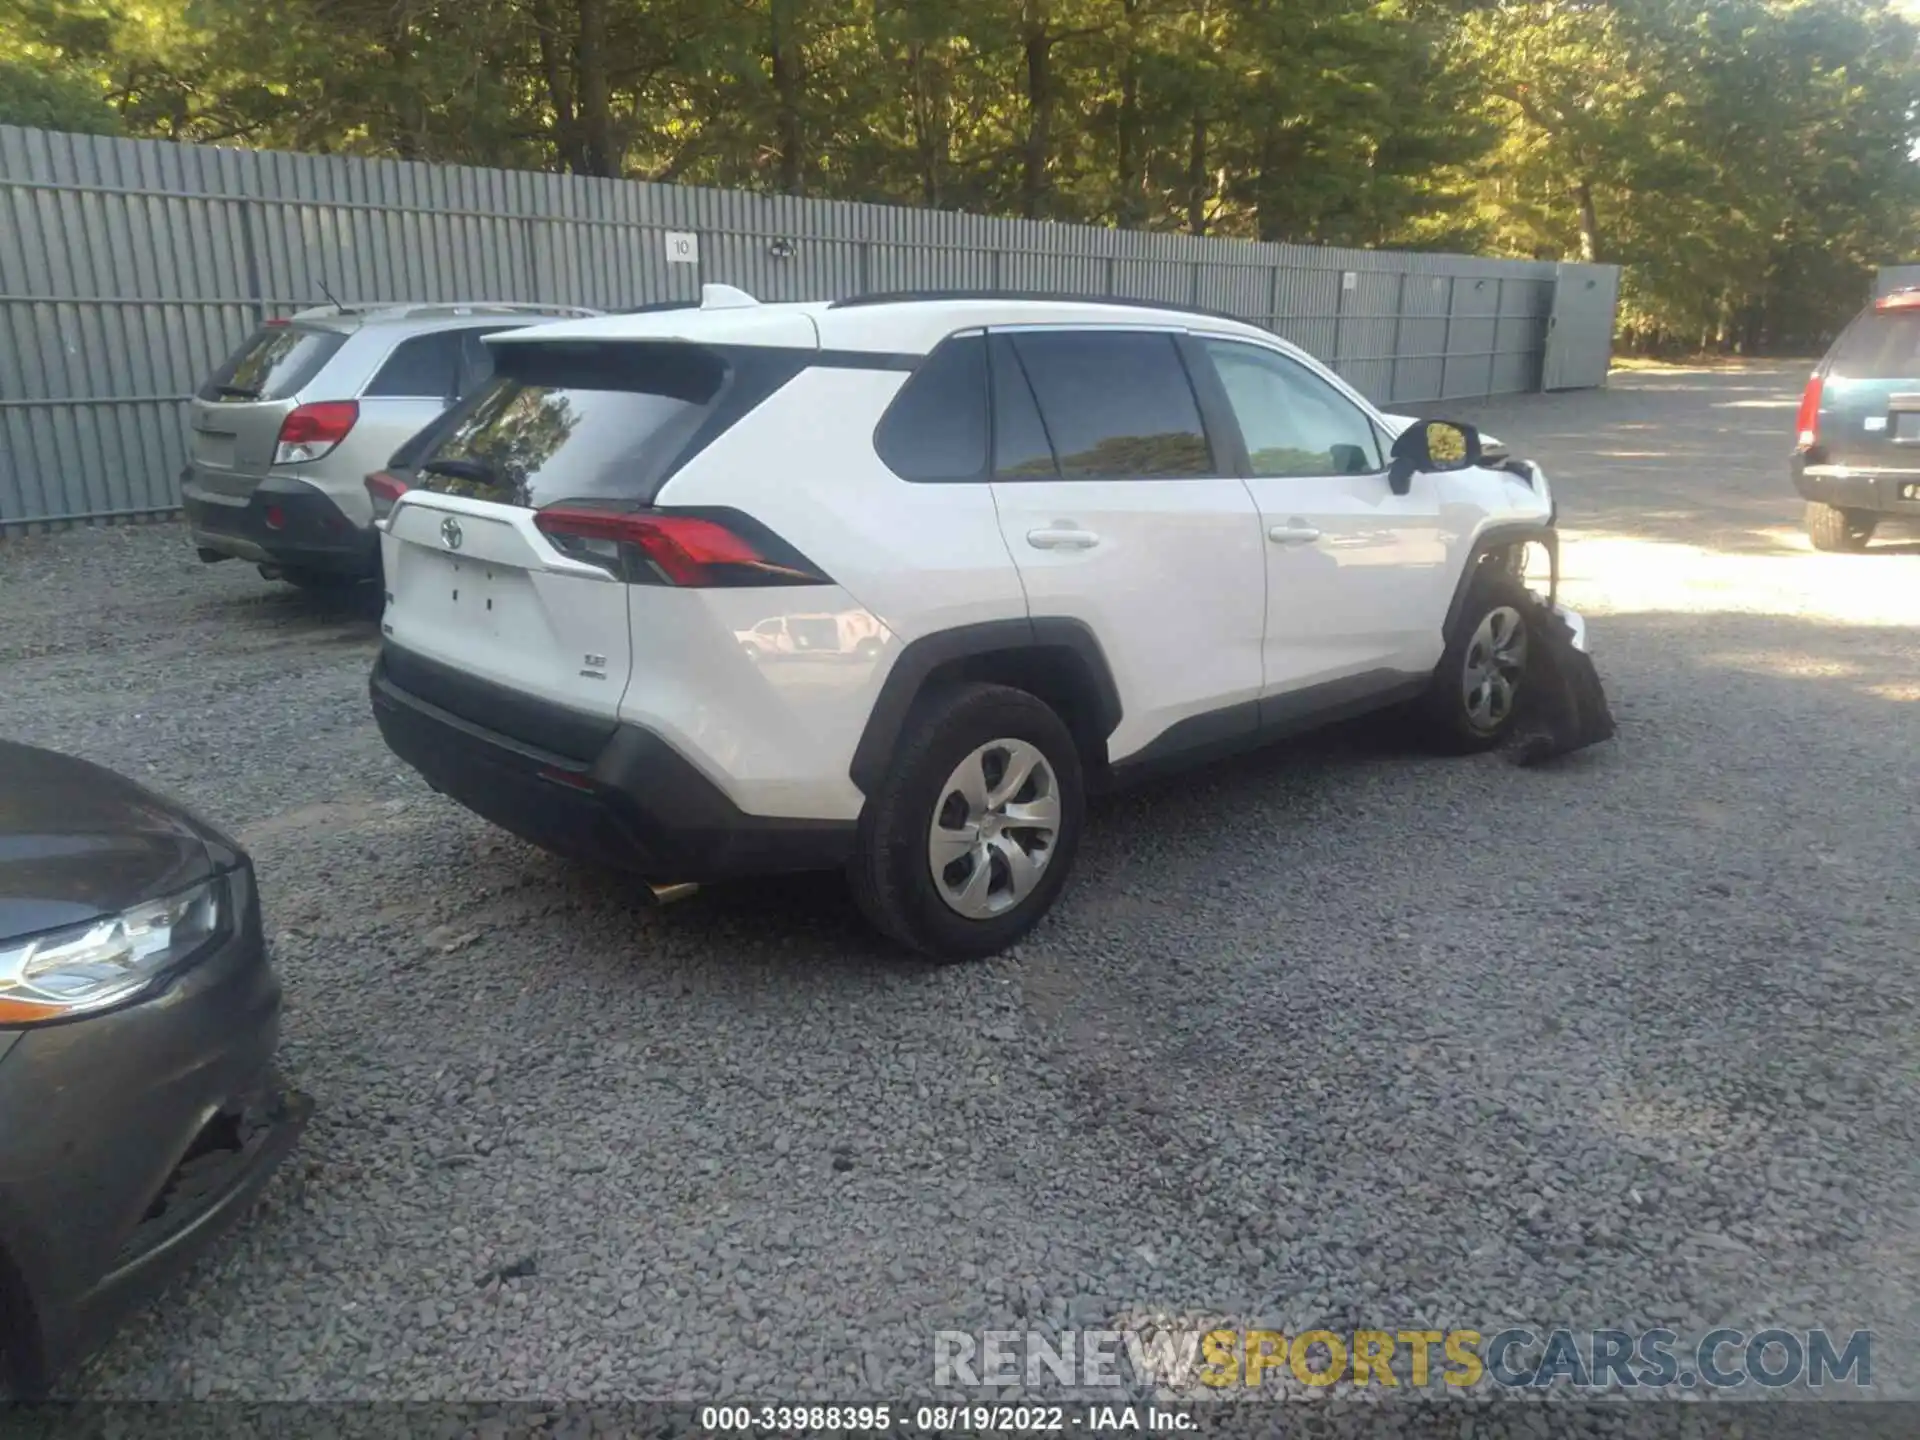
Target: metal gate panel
pixel 1579 346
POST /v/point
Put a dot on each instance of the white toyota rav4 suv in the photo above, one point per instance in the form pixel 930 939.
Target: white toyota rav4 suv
pixel 890 584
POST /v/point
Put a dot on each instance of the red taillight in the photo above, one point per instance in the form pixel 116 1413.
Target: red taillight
pixel 1807 424
pixel 385 489
pixel 1908 299
pixel 313 430
pixel 676 547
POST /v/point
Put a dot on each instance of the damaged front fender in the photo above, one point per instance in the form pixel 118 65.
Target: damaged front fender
pixel 1564 706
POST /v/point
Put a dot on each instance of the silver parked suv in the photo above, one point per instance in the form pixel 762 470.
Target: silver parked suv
pixel 284 434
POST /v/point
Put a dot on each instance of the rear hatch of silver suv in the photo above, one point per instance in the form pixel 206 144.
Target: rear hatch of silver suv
pixel 236 419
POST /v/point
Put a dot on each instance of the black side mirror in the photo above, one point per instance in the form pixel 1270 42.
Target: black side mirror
pixel 1428 446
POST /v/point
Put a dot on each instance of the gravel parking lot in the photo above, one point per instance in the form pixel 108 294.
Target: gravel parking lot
pixel 1338 1034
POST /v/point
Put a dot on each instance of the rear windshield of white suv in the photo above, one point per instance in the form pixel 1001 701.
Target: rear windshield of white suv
pixel 275 361
pixel 1879 346
pixel 577 422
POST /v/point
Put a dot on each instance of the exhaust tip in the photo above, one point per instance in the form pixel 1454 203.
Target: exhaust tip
pixel 667 894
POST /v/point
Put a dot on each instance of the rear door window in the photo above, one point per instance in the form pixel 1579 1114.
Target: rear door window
pixel 1117 404
pixel 589 421
pixel 1879 345
pixel 936 427
pixel 275 361
pixel 426 367
pixel 1020 444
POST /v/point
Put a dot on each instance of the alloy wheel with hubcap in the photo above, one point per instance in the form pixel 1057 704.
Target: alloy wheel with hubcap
pixel 966 840
pixel 994 829
pixel 1496 659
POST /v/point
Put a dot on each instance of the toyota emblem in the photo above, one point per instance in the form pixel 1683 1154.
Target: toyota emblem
pixel 450 533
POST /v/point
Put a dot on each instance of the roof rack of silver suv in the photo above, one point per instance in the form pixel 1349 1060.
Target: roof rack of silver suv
pixel 420 310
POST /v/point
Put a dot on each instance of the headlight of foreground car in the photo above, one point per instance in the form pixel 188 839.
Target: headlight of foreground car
pixel 100 964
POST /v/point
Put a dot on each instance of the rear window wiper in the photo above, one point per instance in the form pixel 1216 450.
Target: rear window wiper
pixel 240 392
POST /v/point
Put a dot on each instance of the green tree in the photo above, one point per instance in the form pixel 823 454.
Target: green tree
pixel 54 97
pixel 1746 161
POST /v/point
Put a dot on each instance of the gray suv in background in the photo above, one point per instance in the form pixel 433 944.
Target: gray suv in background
pixel 283 435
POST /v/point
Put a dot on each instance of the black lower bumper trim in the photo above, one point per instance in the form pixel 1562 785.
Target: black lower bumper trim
pixel 1874 492
pixel 310 532
pixel 539 724
pixel 638 805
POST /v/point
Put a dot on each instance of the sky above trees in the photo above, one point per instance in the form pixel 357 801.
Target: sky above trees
pixel 1747 161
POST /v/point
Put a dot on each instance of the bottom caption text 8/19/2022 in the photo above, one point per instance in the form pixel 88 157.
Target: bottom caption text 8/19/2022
pixel 1059 1419
pixel 934 1419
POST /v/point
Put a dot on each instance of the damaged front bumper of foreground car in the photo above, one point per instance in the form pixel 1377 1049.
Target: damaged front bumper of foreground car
pixel 1565 706
pixel 140 1110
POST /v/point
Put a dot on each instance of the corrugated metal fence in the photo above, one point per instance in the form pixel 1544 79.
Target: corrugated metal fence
pixel 129 269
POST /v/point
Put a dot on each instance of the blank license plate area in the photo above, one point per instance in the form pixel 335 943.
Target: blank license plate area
pixel 1906 425
pixel 211 448
pixel 469 597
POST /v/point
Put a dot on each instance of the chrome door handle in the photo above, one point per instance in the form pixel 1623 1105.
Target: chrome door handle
pixel 1062 538
pixel 1293 534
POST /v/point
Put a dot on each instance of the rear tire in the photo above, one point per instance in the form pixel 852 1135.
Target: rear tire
pixel 1474 699
pixel 1831 528
pixel 973 763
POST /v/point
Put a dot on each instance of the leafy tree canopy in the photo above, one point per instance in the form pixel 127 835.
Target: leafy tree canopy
pixel 1746 160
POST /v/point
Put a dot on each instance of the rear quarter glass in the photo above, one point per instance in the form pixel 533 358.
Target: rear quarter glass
pixel 596 421
pixel 275 362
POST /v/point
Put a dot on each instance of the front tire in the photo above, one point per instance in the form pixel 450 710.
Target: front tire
pixel 1474 699
pixel 968 840
pixel 1831 528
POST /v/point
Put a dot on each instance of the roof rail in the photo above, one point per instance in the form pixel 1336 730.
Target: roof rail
pixel 655 307
pixel 908 297
pixel 420 309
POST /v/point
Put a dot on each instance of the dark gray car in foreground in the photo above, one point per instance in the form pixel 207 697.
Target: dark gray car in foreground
pixel 139 1109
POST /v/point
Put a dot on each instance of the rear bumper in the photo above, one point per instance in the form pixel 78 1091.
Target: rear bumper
pixel 623 797
pixel 131 1138
pixel 280 522
pixel 1878 492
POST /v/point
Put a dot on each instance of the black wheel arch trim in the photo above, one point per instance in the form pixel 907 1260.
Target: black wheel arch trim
pixel 1501 537
pixel 923 658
